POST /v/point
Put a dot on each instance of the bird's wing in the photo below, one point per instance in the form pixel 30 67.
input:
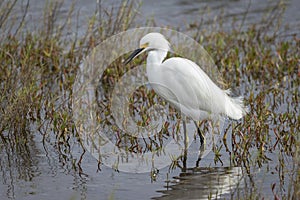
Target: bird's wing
pixel 187 84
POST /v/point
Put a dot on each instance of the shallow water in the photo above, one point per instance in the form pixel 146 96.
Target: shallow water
pixel 39 171
pixel 176 14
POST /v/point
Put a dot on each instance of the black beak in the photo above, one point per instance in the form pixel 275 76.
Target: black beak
pixel 133 55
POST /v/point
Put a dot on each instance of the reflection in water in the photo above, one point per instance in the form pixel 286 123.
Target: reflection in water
pixel 31 172
pixel 17 162
pixel 29 169
pixel 203 183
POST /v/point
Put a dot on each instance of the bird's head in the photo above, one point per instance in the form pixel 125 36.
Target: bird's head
pixel 151 41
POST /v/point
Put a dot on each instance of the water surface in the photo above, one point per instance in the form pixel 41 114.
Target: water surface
pixel 39 171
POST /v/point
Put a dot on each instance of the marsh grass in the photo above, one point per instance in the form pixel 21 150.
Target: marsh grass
pixel 266 68
pixel 268 73
pixel 38 71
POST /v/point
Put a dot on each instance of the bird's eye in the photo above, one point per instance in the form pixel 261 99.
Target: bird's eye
pixel 144 45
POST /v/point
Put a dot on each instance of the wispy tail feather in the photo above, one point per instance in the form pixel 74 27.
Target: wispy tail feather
pixel 234 106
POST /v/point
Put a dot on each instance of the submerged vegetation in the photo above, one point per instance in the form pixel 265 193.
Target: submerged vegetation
pixel 38 69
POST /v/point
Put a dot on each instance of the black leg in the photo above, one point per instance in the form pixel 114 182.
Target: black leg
pixel 201 151
pixel 202 144
pixel 202 138
pixel 185 146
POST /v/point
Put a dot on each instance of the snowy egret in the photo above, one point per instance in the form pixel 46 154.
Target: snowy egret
pixel 184 84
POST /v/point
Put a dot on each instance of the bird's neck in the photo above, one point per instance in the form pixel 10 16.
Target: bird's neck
pixel 154 61
pixel 156 57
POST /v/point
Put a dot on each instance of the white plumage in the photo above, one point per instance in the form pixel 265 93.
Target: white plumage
pixel 184 84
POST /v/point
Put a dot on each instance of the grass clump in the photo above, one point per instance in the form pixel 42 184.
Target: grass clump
pixel 38 69
pixel 265 67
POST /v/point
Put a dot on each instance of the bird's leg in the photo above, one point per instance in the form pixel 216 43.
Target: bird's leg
pixel 202 138
pixel 186 137
pixel 201 151
pixel 186 141
pixel 202 144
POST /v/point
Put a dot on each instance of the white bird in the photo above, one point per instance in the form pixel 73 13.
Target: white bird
pixel 184 84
